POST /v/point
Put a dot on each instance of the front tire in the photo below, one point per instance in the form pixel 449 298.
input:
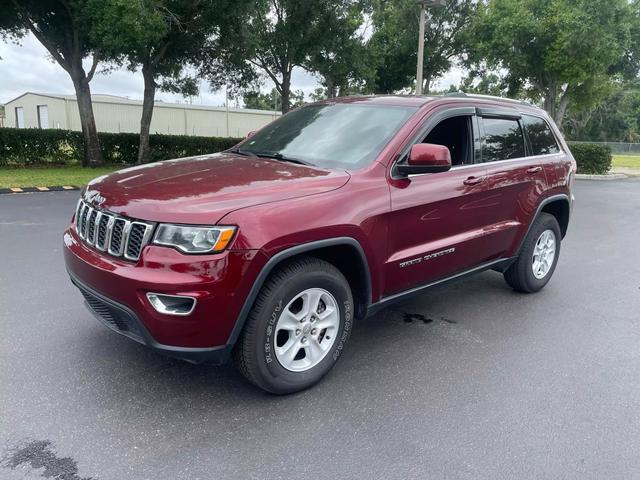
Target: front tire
pixel 538 257
pixel 297 328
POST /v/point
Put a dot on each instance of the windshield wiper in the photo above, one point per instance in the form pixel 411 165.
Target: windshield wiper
pixel 282 158
pixel 241 152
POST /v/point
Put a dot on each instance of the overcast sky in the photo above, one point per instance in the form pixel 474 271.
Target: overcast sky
pixel 28 68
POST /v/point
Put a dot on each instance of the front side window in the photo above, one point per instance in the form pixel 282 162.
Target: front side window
pixel 338 135
pixel 456 134
pixel 540 135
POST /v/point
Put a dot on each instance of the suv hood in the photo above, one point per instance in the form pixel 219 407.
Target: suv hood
pixel 201 190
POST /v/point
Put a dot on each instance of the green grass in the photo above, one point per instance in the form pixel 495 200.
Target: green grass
pixel 50 176
pixel 629 161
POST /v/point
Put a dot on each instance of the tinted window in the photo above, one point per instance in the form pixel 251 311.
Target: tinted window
pixel 540 135
pixel 339 135
pixel 454 133
pixel 503 140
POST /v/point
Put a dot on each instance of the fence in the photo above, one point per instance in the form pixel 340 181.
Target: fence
pixel 619 148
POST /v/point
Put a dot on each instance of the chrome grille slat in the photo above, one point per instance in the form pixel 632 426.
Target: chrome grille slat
pixel 90 229
pixel 111 233
pixel 82 219
pixel 115 245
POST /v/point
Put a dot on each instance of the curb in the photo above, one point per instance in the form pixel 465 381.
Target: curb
pixel 608 176
pixel 56 188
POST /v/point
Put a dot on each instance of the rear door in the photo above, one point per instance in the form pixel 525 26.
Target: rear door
pixel 515 177
pixel 440 223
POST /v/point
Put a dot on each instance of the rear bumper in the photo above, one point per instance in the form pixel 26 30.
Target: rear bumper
pixel 124 321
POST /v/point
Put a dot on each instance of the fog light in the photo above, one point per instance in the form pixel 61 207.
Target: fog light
pixel 172 304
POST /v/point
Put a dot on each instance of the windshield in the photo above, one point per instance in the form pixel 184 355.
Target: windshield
pixel 339 135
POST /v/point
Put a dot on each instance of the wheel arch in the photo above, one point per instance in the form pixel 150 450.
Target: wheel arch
pixel 559 208
pixel 557 205
pixel 345 253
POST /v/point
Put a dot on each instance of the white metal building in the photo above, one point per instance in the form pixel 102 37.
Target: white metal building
pixel 119 114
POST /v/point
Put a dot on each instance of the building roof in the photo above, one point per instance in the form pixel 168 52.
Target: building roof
pixel 106 98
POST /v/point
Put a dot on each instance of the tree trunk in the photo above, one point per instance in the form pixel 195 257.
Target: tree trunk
pixel 426 89
pixel 144 150
pixel 562 108
pixel 92 152
pixel 286 91
pixel 550 99
pixel 331 88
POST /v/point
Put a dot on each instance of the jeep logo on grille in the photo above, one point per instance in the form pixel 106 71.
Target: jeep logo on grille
pixel 93 196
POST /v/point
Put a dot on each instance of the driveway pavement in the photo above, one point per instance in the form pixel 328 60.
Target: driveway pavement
pixel 468 381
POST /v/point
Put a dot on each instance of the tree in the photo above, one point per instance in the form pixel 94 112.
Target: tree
pixel 162 38
pixel 271 100
pixel 615 119
pixel 482 83
pixel 342 61
pixel 62 28
pixel 564 52
pixel 277 37
pixel 395 39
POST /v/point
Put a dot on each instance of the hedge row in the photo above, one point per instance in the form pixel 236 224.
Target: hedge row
pixel 591 158
pixel 34 146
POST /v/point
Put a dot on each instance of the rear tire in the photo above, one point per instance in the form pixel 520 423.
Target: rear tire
pixel 538 257
pixel 297 328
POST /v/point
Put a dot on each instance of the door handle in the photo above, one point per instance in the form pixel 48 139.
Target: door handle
pixel 474 180
pixel 534 169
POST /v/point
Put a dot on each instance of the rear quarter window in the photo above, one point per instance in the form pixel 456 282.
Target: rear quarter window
pixel 542 140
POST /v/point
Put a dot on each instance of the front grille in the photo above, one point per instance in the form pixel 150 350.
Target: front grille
pixel 106 231
pixel 113 317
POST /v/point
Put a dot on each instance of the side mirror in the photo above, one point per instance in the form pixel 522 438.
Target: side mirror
pixel 250 134
pixel 426 158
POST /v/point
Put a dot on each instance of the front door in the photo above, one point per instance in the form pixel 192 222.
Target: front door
pixel 442 223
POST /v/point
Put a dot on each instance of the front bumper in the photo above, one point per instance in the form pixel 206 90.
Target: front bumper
pixel 123 320
pixel 115 291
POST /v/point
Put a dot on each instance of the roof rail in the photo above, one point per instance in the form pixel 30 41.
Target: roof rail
pixel 488 97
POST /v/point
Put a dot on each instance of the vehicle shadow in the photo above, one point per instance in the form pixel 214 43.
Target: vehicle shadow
pixel 421 324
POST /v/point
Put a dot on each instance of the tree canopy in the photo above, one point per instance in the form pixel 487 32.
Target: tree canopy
pixel 63 29
pixel 162 38
pixel 393 44
pixel 562 52
pixel 281 35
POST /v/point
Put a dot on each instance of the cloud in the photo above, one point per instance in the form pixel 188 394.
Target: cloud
pixel 29 67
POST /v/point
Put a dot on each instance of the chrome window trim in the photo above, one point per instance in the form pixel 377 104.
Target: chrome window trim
pixel 497 162
pixel 458 111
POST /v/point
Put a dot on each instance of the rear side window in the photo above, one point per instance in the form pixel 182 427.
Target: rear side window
pixel 540 135
pixel 503 139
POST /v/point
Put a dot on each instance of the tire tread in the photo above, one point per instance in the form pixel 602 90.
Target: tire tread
pixel 244 353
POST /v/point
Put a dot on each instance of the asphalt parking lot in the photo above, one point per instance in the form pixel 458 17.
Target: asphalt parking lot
pixel 469 381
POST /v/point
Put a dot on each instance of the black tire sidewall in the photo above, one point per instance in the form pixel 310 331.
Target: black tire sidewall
pixel 544 222
pixel 282 379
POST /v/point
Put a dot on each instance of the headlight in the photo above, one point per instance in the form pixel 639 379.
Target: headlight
pixel 191 239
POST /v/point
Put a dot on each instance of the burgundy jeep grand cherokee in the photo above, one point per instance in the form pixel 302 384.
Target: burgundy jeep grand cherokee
pixel 267 252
